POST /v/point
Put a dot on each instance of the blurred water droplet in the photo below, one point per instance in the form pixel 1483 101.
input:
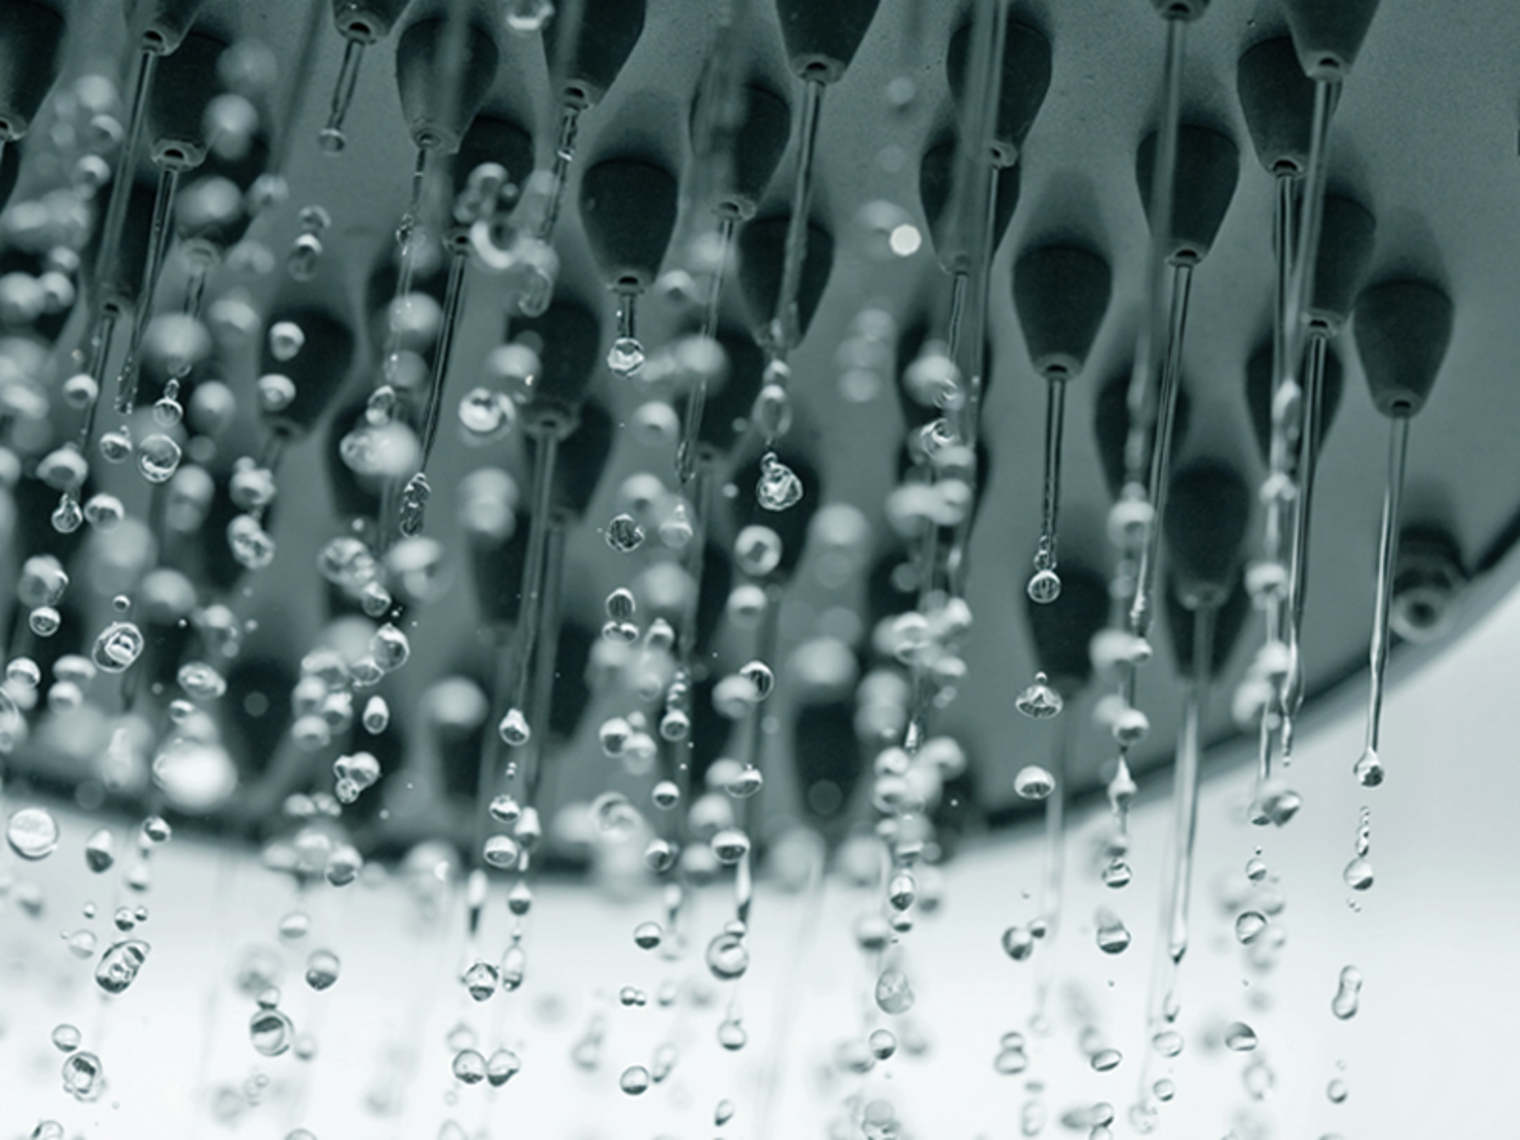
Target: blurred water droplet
pixel 1113 937
pixel 1248 925
pixel 1348 994
pixel 635 1080
pixel 271 1032
pixel 894 994
pixel 1239 1037
pixel 120 964
pixel 1033 782
pixel 723 1113
pixel 1106 1059
pixel 32 833
pixel 322 969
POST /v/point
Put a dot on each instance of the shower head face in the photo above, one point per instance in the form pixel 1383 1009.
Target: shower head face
pixel 1074 186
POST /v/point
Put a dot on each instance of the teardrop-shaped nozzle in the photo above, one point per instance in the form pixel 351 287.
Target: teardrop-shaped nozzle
pixel 367 21
pixel 186 81
pixel 828 760
pixel 1111 426
pixel 936 183
pixel 1061 294
pixel 1260 383
pixel 120 293
pixel 1208 517
pixel 1208 166
pixel 10 169
pixel 1231 616
pixel 1328 34
pixel 1402 331
pixel 1063 630
pixel 583 456
pixel 586 59
pixel 318 370
pixel 757 140
pixel 498 139
pixel 762 245
pixel 821 39
pixel 439 97
pixel 31 34
pixel 628 207
pixel 1025 80
pixel 568 341
pixel 1345 254
pixel 161 25
pixel 496 566
pixel 1278 101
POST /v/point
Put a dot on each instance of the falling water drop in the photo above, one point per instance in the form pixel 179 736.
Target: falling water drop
pixel 1117 874
pixel 625 357
pixel 158 458
pixel 1248 926
pixel 469 1067
pixel 647 935
pixel 66 1037
pixel 1369 769
pixel 1239 1037
pixel 1039 701
pixel 120 964
pixel 1018 943
pixel 894 994
pixel 635 1080
pixel 117 647
pixel 727 956
pixel 624 534
pixel 1044 586
pixel 502 1067
pixel 1113 937
pixel 779 487
pixel 513 729
pixel 32 833
pixel 1358 874
pixel 1348 994
pixel 1033 782
pixel 83 1076
pixel 1105 1059
pixel 481 980
pixel 723 1113
pixel 271 1032
pixel 321 969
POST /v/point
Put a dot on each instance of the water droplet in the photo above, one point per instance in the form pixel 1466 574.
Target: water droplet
pixel 322 969
pixel 271 1032
pixel 732 1034
pixel 167 411
pixel 500 851
pixel 1239 1037
pixel 647 935
pixel 729 846
pixel 119 965
pixel 1117 874
pixel 1044 586
pixel 759 674
pixel 745 783
pixel 1113 936
pixel 481 980
pixel 201 681
pixel 527 17
pixel 1033 782
pixel 626 356
pixel 624 534
pixel 1018 943
pixel 1256 869
pixel 779 487
pixel 1337 1091
pixel 295 926
pixel 83 1076
pixel 894 994
pixel 1039 701
pixel 286 338
pixel 520 898
pixel 1168 1043
pixel 1106 1059
pixel 665 795
pixel 1348 994
pixel 513 729
pixel 723 1113
pixel 727 956
pixel 1369 769
pixel 104 512
pixel 117 647
pixel 251 545
pixel 158 458
pixel 66 1037
pixel 635 1080
pixel 32 833
pixel 502 1067
pixel 1248 925
pixel 469 1067
pixel 1358 874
